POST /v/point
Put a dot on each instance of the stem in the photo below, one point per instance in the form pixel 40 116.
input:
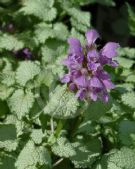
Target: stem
pixel 79 118
pixel 52 125
pixel 58 162
pixel 59 127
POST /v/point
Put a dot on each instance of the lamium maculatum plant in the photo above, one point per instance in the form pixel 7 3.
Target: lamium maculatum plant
pixel 67 98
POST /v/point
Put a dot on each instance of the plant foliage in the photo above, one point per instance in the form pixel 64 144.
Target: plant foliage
pixel 42 124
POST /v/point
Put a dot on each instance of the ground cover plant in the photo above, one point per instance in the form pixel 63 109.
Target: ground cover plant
pixel 67 84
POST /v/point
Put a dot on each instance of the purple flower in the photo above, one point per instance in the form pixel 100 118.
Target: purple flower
pixel 108 53
pixel 23 53
pixel 109 50
pixel 86 75
pixel 92 36
pixel 75 47
pixel 93 66
pixel 27 53
pixel 93 55
pixel 95 82
pixel 81 93
pixel 81 81
pixel 75 56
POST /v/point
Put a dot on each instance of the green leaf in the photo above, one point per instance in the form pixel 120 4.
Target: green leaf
pixel 86 127
pixel 45 77
pixel 21 102
pixel 57 68
pixel 121 159
pixel 131 20
pixel 28 39
pixel 20 125
pixel 7 161
pixel 37 136
pixel 86 153
pixel 26 71
pixel 129 99
pixel 43 9
pixel 48 54
pixel 103 2
pixel 80 20
pixel 63 148
pixel 3 108
pixel 10 42
pixel 126 128
pixel 130 78
pixel 96 110
pixel 31 156
pixel 5 91
pixel 125 62
pixel 129 52
pixel 78 26
pixel 60 31
pixel 8 137
pixel 52 50
pixel 7 76
pixel 62 103
pixel 126 87
pixel 45 31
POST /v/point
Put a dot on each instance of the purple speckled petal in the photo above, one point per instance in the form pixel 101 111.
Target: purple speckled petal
pixel 105 96
pixel 108 84
pixel 81 82
pixel 95 82
pixel 84 71
pixel 110 49
pixel 75 74
pixel 73 62
pixel 93 55
pixel 93 66
pixel 91 36
pixel 108 61
pixel 75 46
pixel 81 94
pixel 102 75
pixel 93 96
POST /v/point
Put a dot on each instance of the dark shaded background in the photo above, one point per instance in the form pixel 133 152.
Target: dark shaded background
pixel 112 22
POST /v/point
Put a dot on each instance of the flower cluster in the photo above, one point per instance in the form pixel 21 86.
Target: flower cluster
pixel 86 75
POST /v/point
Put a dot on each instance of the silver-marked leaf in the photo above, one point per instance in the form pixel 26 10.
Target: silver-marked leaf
pixel 26 71
pixel 63 148
pixel 31 156
pixel 62 103
pixel 21 102
pixel 43 9
pixel 8 137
